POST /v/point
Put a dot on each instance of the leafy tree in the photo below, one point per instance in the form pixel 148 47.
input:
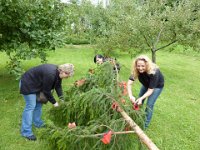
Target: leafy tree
pixel 152 24
pixel 161 24
pixel 76 24
pixel 93 21
pixel 29 28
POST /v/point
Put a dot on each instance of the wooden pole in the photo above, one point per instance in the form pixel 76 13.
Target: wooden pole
pixel 143 137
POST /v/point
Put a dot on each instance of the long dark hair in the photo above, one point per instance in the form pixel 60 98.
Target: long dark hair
pixel 97 56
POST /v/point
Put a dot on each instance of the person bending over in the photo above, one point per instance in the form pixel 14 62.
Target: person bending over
pixel 152 81
pixel 43 78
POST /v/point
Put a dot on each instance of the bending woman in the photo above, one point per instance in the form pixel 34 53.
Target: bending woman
pixel 152 82
pixel 43 78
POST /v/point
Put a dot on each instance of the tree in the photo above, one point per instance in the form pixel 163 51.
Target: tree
pixel 29 28
pixel 93 106
pixel 161 24
pixel 96 21
pixel 152 24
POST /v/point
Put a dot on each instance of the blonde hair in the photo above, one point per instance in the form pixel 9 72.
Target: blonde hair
pixel 150 66
pixel 69 68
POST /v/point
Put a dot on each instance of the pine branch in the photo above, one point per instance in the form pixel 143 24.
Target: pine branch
pixel 101 134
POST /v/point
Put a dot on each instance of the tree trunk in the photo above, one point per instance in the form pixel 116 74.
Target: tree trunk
pixel 143 137
pixel 153 56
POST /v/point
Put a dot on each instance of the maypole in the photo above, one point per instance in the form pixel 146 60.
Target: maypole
pixel 140 133
pixel 96 114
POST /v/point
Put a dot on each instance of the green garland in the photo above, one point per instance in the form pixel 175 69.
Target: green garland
pixel 90 106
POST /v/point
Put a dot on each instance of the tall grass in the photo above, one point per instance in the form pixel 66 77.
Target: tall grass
pixel 175 124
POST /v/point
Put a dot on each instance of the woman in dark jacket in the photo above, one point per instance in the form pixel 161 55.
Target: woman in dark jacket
pixel 152 82
pixel 43 78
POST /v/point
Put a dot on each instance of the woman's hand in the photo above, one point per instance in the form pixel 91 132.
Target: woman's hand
pixel 56 104
pixel 139 101
pixel 147 94
pixel 132 99
pixel 129 84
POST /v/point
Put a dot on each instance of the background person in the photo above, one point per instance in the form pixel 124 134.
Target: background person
pixel 99 59
pixel 152 82
pixel 43 78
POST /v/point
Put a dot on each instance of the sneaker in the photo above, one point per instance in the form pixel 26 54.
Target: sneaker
pixel 31 138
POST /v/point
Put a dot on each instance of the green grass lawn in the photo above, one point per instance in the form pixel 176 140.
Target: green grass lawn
pixel 175 124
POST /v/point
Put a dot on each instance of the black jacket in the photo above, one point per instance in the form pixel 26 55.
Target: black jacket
pixel 42 78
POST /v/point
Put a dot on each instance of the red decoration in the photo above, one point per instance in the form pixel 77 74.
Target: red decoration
pixel 91 71
pixel 123 100
pixel 107 137
pixel 71 125
pixel 115 105
pixel 123 86
pixel 136 107
pixel 80 82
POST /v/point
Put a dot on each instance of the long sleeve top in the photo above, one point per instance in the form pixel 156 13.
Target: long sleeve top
pixel 43 78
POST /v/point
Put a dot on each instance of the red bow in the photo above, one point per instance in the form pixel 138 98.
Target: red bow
pixel 136 107
pixel 107 137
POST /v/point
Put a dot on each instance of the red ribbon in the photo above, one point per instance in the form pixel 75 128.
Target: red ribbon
pixel 136 107
pixel 107 137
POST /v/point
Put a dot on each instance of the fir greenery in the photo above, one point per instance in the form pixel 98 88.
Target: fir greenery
pixel 90 106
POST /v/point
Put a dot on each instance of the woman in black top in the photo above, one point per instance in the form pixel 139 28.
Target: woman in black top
pixel 152 82
pixel 42 78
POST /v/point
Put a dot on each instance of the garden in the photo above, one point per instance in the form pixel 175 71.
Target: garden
pixel 96 112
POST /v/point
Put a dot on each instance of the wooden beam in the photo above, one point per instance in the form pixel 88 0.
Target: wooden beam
pixel 140 133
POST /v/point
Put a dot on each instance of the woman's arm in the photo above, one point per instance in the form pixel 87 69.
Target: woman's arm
pixel 59 90
pixel 129 88
pixel 47 84
pixel 147 94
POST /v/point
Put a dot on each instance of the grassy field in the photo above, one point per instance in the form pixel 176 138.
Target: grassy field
pixel 175 124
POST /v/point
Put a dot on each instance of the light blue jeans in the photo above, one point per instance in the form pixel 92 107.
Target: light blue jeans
pixel 31 114
pixel 150 102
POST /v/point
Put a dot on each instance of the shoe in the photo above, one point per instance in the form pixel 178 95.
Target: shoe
pixel 31 138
